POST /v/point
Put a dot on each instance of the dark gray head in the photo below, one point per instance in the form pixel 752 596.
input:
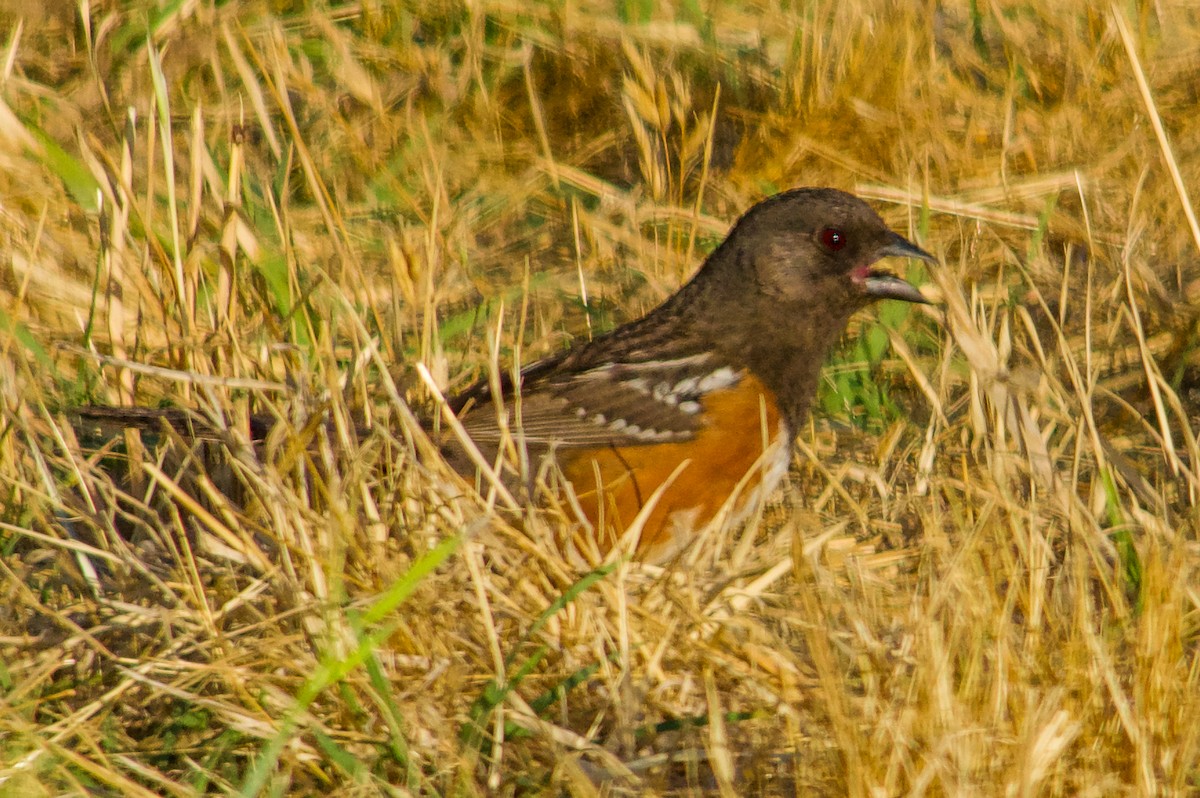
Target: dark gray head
pixel 817 246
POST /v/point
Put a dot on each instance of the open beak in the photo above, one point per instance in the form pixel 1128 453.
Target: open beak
pixel 884 285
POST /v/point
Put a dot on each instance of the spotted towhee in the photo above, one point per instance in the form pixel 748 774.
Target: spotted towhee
pixel 713 384
pixel 698 400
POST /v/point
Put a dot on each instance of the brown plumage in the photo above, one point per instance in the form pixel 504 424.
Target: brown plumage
pixel 720 376
pixel 737 350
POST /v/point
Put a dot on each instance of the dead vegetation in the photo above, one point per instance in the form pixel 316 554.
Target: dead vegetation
pixel 981 581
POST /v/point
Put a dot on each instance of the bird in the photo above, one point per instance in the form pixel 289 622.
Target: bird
pixel 700 400
pixel 668 421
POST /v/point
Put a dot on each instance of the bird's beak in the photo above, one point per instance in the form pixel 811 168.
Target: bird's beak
pixel 884 285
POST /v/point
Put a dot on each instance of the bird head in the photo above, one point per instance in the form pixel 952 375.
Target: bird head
pixel 820 249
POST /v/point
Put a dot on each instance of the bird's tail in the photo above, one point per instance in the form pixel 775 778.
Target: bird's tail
pixel 105 421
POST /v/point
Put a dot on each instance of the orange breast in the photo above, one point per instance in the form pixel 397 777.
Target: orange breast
pixel 612 485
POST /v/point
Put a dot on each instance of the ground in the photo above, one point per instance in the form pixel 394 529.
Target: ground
pixel 981 578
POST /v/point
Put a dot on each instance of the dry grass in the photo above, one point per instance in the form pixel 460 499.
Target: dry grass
pixel 982 581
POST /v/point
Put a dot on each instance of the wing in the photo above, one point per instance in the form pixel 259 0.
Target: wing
pixel 614 404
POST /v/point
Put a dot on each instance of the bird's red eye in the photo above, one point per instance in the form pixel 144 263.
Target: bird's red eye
pixel 832 239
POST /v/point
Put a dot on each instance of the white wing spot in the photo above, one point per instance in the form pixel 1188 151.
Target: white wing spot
pixel 639 384
pixel 721 378
pixel 686 385
pixel 694 386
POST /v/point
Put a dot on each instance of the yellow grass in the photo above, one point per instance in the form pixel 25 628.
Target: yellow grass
pixel 983 579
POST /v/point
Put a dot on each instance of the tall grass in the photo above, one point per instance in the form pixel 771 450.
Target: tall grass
pixel 981 579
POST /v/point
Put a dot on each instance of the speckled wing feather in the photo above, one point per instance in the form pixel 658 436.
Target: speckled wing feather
pixel 616 404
